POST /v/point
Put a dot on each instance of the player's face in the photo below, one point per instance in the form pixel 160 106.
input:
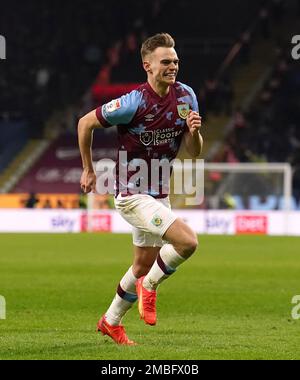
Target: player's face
pixel 163 65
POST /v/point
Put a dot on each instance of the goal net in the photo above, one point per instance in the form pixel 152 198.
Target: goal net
pixel 247 186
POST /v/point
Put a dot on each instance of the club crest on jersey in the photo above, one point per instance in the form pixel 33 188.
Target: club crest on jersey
pixel 113 105
pixel 156 221
pixel 147 137
pixel 183 110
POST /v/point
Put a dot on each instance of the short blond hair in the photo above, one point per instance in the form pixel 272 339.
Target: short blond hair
pixel 154 42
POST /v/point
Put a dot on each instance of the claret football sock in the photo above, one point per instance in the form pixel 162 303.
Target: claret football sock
pixel 166 263
pixel 124 299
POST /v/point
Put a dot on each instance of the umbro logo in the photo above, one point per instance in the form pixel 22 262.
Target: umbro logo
pixel 149 117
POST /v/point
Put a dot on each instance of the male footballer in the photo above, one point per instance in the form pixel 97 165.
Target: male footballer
pixel 153 121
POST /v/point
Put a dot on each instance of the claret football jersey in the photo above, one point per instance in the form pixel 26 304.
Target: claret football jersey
pixel 150 131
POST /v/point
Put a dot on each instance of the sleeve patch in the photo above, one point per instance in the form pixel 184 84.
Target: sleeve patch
pixel 113 105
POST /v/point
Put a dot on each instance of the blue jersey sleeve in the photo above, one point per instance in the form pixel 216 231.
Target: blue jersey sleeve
pixel 119 111
pixel 195 105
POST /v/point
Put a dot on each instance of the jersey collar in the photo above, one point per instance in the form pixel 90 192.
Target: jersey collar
pixel 156 96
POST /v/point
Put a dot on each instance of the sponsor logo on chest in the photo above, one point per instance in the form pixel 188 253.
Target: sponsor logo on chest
pixel 159 136
pixel 147 137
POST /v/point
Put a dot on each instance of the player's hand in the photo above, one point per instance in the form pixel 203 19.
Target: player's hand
pixel 193 121
pixel 88 181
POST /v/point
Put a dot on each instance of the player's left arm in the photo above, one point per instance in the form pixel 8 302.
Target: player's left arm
pixel 192 138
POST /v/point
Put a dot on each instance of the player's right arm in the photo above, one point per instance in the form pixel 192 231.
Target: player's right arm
pixel 86 126
pixel 116 112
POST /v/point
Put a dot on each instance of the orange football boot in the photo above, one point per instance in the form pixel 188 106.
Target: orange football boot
pixel 146 303
pixel 117 333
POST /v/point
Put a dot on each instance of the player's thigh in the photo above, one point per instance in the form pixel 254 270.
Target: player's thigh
pixel 145 213
pixel 182 237
pixel 144 258
pixel 141 238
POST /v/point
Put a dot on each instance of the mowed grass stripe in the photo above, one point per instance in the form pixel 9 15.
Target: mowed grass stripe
pixel 231 300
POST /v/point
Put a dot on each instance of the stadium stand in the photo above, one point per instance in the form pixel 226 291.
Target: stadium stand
pixel 14 135
pixel 268 131
pixel 49 83
pixel 59 168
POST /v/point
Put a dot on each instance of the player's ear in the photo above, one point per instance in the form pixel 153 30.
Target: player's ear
pixel 147 66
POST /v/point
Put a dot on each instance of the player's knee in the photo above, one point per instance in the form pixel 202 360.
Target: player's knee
pixel 140 270
pixel 190 245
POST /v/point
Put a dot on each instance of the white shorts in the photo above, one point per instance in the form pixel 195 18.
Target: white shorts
pixel 149 217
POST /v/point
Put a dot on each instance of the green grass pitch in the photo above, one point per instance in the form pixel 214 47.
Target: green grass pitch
pixel 231 300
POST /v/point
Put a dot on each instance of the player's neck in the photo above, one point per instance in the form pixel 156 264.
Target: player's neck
pixel 161 89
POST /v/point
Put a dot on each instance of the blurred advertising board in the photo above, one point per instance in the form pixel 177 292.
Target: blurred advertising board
pixel 203 222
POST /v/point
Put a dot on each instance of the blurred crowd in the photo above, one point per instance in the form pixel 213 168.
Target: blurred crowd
pixel 269 130
pixel 56 53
